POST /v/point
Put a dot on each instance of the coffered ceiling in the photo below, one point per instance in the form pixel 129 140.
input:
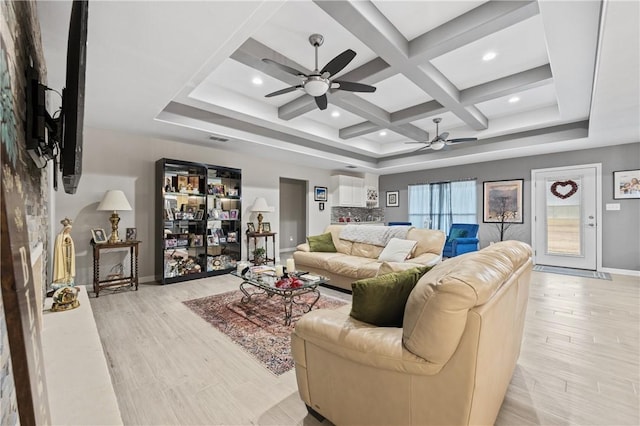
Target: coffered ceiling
pixel 192 71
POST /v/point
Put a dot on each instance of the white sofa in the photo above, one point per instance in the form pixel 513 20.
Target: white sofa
pixel 357 260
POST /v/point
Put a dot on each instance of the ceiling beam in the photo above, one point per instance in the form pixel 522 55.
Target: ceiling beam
pixel 479 22
pixel 504 86
pixel 369 25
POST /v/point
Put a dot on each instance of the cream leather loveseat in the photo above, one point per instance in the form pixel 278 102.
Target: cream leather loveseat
pixel 450 363
pixel 356 260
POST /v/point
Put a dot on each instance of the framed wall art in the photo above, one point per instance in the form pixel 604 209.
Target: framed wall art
pixel 626 184
pixel 320 193
pixel 502 201
pixel 393 198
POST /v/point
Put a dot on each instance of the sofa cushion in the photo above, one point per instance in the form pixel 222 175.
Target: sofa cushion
pixel 317 260
pixel 366 250
pixel 322 242
pixel 397 250
pixel 347 266
pixel 381 300
pixel 342 246
pixel 429 241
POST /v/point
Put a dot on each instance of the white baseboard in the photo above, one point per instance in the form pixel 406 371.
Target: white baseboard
pixel 629 272
pixel 287 250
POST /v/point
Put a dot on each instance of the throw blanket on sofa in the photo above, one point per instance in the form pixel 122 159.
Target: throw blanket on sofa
pixel 372 234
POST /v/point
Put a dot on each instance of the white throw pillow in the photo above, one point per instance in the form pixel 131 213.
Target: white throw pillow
pixel 397 250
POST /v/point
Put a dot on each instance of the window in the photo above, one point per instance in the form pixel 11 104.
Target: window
pixel 438 205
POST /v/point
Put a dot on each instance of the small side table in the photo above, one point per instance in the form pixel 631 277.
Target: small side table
pixel 255 236
pixel 131 280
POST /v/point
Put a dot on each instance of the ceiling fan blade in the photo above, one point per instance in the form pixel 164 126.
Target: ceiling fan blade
pixel 443 136
pixel 284 68
pixel 355 87
pixel 283 91
pixel 339 62
pixel 423 148
pixel 321 101
pixel 459 140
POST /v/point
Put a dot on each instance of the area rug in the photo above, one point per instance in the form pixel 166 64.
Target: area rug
pixel 257 326
pixel 573 272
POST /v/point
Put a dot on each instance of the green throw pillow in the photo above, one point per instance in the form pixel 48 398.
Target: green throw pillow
pixel 457 233
pixel 380 300
pixel 322 242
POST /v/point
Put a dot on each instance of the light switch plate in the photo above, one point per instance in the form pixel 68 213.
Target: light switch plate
pixel 613 206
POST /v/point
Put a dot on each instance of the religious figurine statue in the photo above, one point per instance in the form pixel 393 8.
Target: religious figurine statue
pixel 64 257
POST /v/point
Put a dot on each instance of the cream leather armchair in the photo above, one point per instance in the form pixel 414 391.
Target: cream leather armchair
pixel 450 363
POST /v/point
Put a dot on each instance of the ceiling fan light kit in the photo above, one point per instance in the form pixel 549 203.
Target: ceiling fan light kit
pixel 319 82
pixel 440 140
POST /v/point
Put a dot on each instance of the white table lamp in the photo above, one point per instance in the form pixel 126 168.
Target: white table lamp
pixel 260 206
pixel 114 200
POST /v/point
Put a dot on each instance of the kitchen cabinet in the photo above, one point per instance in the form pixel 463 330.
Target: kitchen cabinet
pixel 347 191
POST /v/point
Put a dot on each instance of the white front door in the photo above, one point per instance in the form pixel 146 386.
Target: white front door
pixel 565 216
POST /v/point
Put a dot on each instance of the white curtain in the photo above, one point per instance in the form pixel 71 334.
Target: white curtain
pixel 438 205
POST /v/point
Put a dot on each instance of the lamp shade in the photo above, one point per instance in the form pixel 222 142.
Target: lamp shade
pixel 114 200
pixel 260 205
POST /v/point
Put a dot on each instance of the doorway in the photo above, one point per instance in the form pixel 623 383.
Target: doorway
pixel 566 212
pixel 293 215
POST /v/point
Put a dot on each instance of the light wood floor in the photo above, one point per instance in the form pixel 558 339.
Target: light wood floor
pixel 579 362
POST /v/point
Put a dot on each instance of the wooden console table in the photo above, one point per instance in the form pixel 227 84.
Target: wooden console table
pixel 255 236
pixel 131 280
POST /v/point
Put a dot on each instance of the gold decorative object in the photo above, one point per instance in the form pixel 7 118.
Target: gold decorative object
pixel 65 298
pixel 260 206
pixel 114 200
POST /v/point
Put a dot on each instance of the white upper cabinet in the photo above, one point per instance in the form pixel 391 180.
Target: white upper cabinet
pixel 347 191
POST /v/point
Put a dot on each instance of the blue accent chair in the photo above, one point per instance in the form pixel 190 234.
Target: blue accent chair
pixel 462 238
pixel 399 223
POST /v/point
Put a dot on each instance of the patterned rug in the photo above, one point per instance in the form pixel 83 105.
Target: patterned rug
pixel 258 326
pixel 573 272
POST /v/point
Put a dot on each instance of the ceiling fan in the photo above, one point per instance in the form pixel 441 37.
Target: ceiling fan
pixel 440 140
pixel 319 82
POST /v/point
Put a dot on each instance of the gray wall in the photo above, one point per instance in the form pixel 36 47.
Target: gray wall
pixel 620 229
pixel 292 213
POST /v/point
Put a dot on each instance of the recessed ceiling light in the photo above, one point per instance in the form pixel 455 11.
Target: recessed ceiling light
pixel 383 133
pixel 335 114
pixel 257 81
pixel 489 56
pixel 513 99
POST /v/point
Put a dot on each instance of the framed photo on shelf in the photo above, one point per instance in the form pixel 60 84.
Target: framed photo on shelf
pixel 199 215
pixel 393 198
pixel 232 237
pixel 626 184
pixel 99 236
pixel 232 192
pixel 212 240
pixel 233 214
pixel 319 193
pixel 218 189
pixel 131 234
pixel 266 226
pixel 502 201
pixel 251 228
pixel 224 214
pixel 168 214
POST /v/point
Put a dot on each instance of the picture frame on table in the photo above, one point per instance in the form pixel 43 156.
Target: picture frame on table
pixel 131 234
pixel 251 228
pixel 320 193
pixel 98 235
pixel 502 201
pixel 626 184
pixel 266 226
pixel 393 198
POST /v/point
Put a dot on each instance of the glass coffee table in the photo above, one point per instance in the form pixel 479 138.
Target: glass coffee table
pixel 265 283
